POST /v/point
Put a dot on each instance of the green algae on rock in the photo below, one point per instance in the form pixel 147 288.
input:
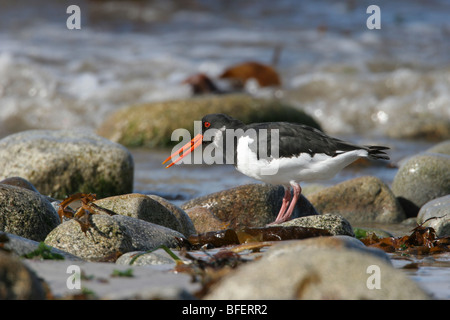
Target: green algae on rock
pixel 152 124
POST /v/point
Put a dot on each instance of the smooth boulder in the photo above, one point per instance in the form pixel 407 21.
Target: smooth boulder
pixel 250 205
pixel 363 199
pixel 63 162
pixel 317 272
pixel 436 214
pixel 420 179
pixel 26 213
pixel 110 236
pixel 142 207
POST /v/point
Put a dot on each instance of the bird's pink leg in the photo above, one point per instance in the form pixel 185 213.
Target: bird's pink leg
pixel 287 215
pixel 284 204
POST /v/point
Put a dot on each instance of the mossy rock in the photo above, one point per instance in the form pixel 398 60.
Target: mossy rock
pixel 152 124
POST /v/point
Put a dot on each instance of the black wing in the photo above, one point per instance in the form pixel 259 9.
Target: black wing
pixel 293 139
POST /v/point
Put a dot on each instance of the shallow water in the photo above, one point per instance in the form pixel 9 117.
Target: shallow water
pixel 356 82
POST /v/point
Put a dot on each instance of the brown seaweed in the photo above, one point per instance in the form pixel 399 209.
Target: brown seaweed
pixel 87 208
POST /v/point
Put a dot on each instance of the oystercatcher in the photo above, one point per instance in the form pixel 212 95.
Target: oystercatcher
pixel 279 153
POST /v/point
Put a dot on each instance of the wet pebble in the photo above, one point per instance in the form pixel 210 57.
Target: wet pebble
pixel 26 213
pixel 422 178
pixel 204 220
pixel 363 199
pixel 62 162
pixel 142 207
pixel 334 223
pixel 437 212
pixel 142 258
pixel 110 236
pixel 324 271
pixel 442 147
pixel 186 223
pixel 251 205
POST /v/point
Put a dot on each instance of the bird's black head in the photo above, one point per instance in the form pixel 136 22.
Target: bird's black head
pixel 220 121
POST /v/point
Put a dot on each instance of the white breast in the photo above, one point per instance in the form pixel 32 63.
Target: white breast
pixel 284 170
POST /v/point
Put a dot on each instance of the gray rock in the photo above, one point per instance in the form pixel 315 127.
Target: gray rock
pixel 337 243
pixel 142 258
pixel 20 246
pixel 364 199
pixel 251 205
pixel 110 236
pixel 141 207
pixel 17 281
pixel 419 127
pixel 438 211
pixel 62 162
pixel 442 147
pixel 422 178
pixel 186 223
pixel 328 272
pixel 26 213
pixel 204 220
pixel 19 182
pixel 335 224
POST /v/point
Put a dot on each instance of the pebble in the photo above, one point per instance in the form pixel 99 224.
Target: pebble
pixel 438 211
pixel 412 127
pixel 26 213
pixel 235 208
pixel 186 223
pixel 420 179
pixel 334 223
pixel 442 147
pixel 363 199
pixel 338 243
pixel 328 272
pixel 142 207
pixel 143 258
pixel 19 182
pixel 62 162
pixel 110 236
pixel 205 220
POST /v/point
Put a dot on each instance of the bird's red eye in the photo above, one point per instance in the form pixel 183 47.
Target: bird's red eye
pixel 207 124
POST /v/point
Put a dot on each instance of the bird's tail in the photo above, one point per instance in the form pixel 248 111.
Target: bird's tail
pixel 377 152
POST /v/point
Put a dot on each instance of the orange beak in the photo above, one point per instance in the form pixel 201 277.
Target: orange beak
pixel 185 150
